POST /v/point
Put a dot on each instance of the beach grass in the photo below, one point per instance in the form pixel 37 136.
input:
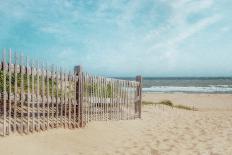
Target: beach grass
pixel 185 107
pixel 170 104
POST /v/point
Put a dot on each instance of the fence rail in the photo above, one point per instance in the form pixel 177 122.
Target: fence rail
pixel 37 97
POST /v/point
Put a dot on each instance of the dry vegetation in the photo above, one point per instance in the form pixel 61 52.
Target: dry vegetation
pixel 170 104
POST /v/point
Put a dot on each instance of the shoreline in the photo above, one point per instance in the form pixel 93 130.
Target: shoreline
pixel 150 92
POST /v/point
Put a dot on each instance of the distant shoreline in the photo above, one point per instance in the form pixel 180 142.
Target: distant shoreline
pixel 212 85
pixel 189 77
pixel 214 89
pixel 226 93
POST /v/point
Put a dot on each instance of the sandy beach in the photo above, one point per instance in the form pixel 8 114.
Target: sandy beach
pixel 162 130
pixel 204 102
pixel 121 77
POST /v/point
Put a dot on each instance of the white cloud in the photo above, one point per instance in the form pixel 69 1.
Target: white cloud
pixel 178 30
pixel 225 29
pixel 194 29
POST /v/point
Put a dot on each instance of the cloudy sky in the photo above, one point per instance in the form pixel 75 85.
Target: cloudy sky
pixel 123 38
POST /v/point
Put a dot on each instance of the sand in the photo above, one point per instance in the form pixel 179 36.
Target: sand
pixel 202 101
pixel 162 130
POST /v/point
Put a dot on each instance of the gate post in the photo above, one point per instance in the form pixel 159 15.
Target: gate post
pixel 139 94
pixel 79 94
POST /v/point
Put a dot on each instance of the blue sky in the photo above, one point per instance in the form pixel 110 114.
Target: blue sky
pixel 123 38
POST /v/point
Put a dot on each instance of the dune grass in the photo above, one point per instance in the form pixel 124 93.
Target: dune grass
pixel 185 107
pixel 170 104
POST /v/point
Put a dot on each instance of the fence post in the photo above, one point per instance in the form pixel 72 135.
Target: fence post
pixel 79 94
pixel 4 91
pixel 139 94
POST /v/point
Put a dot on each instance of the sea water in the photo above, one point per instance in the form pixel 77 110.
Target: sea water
pixel 188 84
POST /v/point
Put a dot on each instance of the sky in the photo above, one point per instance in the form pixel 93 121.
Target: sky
pixel 123 37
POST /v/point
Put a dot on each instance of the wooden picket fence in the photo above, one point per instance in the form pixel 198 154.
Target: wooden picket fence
pixel 37 97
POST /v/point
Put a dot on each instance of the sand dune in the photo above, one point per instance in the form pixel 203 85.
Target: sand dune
pixel 162 130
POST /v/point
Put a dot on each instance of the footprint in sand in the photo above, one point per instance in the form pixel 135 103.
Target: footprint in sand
pixel 148 134
pixel 154 152
pixel 165 140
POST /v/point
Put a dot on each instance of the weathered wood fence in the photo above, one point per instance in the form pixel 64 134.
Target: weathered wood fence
pixel 37 97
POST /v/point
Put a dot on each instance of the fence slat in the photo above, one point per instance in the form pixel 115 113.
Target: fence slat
pixel 106 109
pixel 118 99
pixel 52 96
pixel 38 97
pixel 87 99
pixel 112 99
pixel 22 94
pixel 99 98
pixel 15 92
pixel 33 95
pixel 47 96
pixel 61 98
pixel 57 97
pixel 129 100
pixel 94 97
pixel 110 110
pixel 105 114
pixel 75 115
pixel 69 100
pixel 28 94
pixel 43 96
pixel 124 100
pixel 9 96
pixel 4 91
pixel 65 100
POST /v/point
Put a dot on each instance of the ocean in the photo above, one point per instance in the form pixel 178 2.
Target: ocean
pixel 187 84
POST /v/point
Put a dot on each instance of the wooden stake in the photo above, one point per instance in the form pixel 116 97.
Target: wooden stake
pixel 15 92
pixel 78 71
pixel 47 96
pixel 43 96
pixel 65 100
pixel 139 93
pixel 9 125
pixel 52 96
pixel 33 95
pixel 22 94
pixel 38 96
pixel 75 102
pixel 61 103
pixel 69 99
pixel 57 98
pixel 28 95
pixel 4 92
